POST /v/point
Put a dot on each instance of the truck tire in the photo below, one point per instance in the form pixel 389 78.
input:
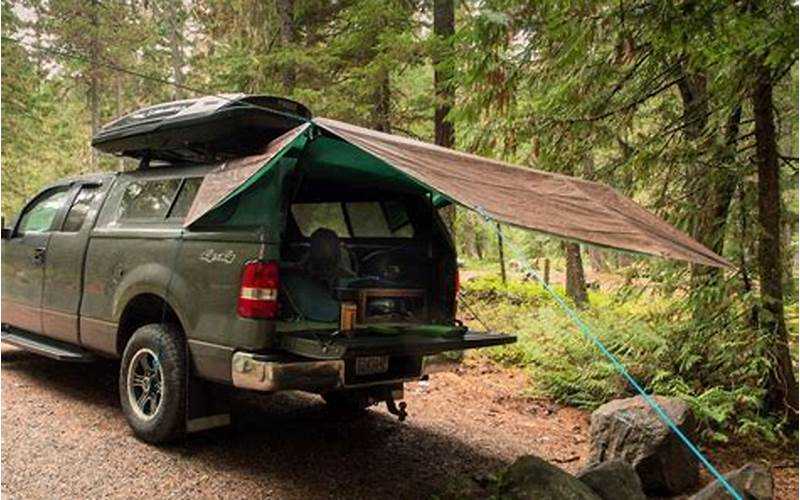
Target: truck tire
pixel 152 383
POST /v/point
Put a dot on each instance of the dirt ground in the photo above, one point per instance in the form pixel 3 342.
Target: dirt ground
pixel 63 435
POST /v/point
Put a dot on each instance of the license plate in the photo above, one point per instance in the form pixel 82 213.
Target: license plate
pixel 371 365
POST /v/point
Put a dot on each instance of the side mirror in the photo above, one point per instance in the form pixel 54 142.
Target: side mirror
pixel 6 231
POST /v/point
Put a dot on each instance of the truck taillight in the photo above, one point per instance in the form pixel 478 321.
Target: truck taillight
pixel 258 297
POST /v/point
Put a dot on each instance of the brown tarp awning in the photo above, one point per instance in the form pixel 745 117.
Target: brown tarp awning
pixel 233 176
pixel 541 201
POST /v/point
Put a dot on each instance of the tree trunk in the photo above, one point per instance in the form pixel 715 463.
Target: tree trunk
pixel 118 110
pixel 286 14
pixel 714 197
pixel 479 248
pixel 176 48
pixel 574 277
pixel 94 97
pixel 547 271
pixel 443 30
pixel 782 395
pixel 382 99
pixel 501 253
pixel 710 190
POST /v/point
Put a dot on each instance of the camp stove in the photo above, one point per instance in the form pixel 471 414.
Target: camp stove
pixel 375 306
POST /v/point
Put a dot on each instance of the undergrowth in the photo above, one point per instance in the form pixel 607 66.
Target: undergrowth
pixel 718 367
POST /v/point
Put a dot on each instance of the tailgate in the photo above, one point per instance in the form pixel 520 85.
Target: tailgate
pixel 327 346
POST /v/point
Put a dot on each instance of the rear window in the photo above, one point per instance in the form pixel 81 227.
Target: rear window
pixel 312 216
pixel 367 219
pixel 147 199
pixel 180 209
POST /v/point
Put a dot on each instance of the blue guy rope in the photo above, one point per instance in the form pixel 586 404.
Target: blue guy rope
pixel 587 333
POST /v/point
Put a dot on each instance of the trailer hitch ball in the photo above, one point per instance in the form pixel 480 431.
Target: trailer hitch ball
pixel 395 409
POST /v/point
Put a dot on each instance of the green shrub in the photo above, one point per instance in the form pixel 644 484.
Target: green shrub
pixel 717 365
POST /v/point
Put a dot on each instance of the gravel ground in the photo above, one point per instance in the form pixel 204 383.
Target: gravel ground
pixel 63 435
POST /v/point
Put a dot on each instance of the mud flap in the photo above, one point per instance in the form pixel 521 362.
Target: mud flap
pixel 207 405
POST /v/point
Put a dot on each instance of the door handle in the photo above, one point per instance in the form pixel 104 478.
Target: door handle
pixel 39 254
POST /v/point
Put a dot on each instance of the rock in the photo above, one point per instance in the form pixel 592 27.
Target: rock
pixel 753 481
pixel 530 477
pixel 615 480
pixel 629 430
pixel 463 488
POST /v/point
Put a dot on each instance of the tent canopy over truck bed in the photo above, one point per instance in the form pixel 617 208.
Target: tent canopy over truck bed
pixel 261 130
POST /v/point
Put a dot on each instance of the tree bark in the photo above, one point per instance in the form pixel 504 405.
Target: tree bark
pixel 782 394
pixel 118 110
pixel 94 97
pixel 574 277
pixel 443 30
pixel 382 99
pixel 176 48
pixel 501 252
pixel 710 190
pixel 286 14
pixel 714 201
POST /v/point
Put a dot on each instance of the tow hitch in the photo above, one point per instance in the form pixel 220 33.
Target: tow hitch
pixel 395 409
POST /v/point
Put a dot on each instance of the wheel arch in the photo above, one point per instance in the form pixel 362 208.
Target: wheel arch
pixel 143 309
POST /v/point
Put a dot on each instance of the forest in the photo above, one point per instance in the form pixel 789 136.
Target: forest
pixel 689 107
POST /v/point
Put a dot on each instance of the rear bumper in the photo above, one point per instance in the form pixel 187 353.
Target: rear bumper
pixel 250 371
pixel 254 372
pixel 317 364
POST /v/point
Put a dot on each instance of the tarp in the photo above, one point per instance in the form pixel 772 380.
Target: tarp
pixel 541 201
pixel 550 203
pixel 233 177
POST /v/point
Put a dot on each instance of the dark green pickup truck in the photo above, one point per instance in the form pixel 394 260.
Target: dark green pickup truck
pixel 310 270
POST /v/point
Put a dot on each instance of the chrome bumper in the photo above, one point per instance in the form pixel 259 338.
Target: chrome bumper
pixel 248 372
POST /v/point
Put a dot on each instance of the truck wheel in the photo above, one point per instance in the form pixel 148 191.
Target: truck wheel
pixel 152 383
pixel 351 402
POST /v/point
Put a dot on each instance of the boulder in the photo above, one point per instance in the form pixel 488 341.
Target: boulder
pixel 629 430
pixel 530 477
pixel 615 480
pixel 753 481
pixel 463 488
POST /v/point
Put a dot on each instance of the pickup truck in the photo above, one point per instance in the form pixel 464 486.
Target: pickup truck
pixel 312 282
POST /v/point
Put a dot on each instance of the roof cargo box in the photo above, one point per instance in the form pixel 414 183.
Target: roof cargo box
pixel 202 130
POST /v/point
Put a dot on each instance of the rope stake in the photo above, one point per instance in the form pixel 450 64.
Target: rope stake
pixel 587 333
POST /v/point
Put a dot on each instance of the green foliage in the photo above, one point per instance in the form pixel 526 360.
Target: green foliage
pixel 718 370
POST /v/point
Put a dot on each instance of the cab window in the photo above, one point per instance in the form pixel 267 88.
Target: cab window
pixel 79 209
pixel 40 216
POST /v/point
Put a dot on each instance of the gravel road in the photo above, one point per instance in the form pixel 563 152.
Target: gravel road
pixel 63 435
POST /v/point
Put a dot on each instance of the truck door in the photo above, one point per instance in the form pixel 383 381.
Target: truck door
pixel 24 257
pixel 63 270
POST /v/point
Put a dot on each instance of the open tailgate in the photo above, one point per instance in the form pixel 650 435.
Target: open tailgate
pixel 326 346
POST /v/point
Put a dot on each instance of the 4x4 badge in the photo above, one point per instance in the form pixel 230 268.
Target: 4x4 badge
pixel 210 256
